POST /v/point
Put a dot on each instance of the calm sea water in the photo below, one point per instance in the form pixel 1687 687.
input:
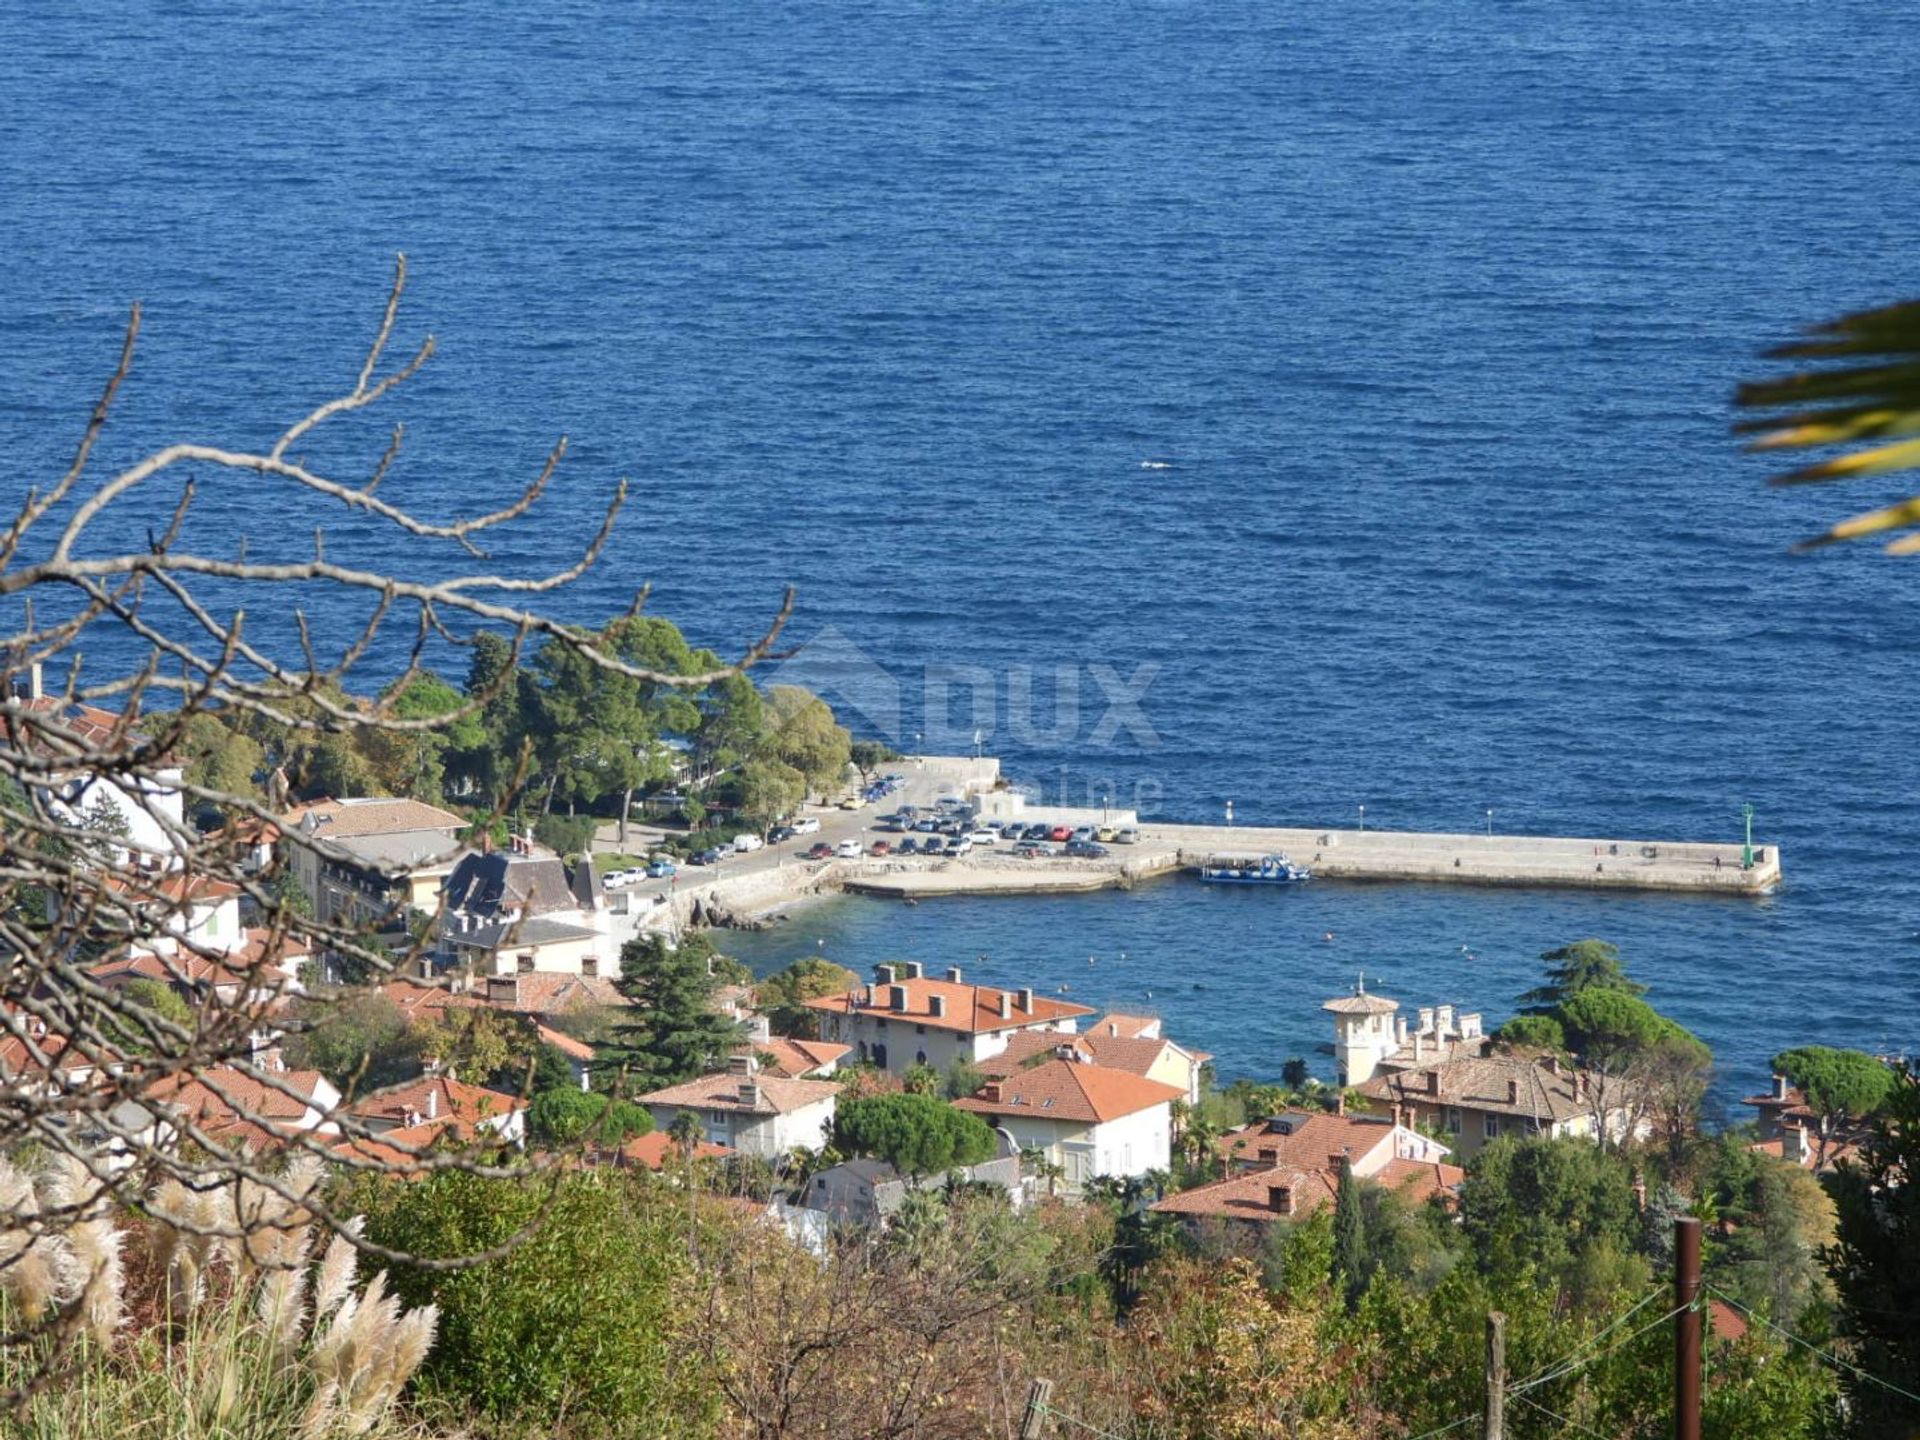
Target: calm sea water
pixel 1429 313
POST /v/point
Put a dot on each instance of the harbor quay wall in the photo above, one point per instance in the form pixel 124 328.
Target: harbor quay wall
pixel 1702 867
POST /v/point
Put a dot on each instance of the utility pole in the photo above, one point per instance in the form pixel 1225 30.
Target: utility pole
pixel 1496 1426
pixel 1038 1394
pixel 1686 1329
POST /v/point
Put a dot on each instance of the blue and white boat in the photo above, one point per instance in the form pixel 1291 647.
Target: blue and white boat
pixel 1252 870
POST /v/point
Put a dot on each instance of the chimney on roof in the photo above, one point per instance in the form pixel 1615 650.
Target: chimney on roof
pixel 953 975
pixel 1399 1115
pixel 36 682
pixel 1338 1160
pixel 1006 1005
pixel 1113 1027
pixel 433 1102
pixel 1470 1026
pixel 1553 1064
pixel 990 1092
pixel 1400 1029
pixel 749 1095
pixel 885 974
pixel 913 970
pixel 1280 1199
pixel 758 1028
pixel 897 996
pixel 410 1118
pixel 1426 1020
pixel 1779 1087
pixel 1270 1154
pixel 937 1006
pixel 1443 1021
pixel 1419 1047
pixel 1340 1103
pixel 1026 998
pixel 1513 1092
pixel 873 994
pixel 1433 1082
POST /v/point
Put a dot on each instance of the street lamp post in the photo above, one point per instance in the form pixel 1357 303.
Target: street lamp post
pixel 1363 819
pixel 1489 824
pixel 1229 813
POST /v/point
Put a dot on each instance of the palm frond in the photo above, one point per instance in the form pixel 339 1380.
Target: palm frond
pixel 1842 404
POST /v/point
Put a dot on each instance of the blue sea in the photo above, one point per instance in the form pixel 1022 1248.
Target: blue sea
pixel 1310 407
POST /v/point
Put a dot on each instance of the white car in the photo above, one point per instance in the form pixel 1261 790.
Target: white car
pixel 742 844
pixel 984 837
pixel 1127 835
pixel 614 879
pixel 848 850
pixel 1084 833
pixel 806 825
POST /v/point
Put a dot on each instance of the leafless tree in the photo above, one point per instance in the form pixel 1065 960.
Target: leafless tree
pixel 90 1077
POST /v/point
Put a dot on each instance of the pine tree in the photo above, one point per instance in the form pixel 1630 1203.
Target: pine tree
pixel 1583 965
pixel 1352 1262
pixel 674 1032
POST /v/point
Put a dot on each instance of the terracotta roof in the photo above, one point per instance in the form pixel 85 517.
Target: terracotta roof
pixel 1362 1003
pixel 1137 1055
pixel 792 1058
pixel 1304 1139
pixel 549 994
pixel 969 1009
pixel 654 1149
pixel 417 998
pixel 55 1058
pixel 1726 1322
pixel 1071 1091
pixel 222 1098
pixel 186 968
pixel 568 1046
pixel 174 887
pixel 1251 1196
pixel 433 1097
pixel 1125 1027
pixel 372 816
pixel 1482 1083
pixel 721 1091
pixel 89 724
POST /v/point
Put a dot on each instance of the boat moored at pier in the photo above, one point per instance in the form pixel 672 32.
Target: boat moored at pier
pixel 1252 870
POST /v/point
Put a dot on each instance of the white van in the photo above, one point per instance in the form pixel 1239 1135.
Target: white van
pixel 806 825
pixel 744 843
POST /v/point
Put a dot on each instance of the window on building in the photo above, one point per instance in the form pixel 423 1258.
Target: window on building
pixel 1490 1125
pixel 919 1029
pixel 880 1056
pixel 590 965
pixel 525 965
pixel 921 1058
pixel 1453 1119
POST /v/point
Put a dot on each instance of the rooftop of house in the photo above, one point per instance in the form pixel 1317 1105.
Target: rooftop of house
pixel 791 1058
pixel 83 724
pixel 1361 1003
pixel 29 1049
pixel 1291 1192
pixel 1528 1086
pixel 1126 1027
pixel 532 930
pixel 222 1096
pixel 656 1149
pixel 259 965
pixel 1305 1138
pixel 950 1005
pixel 550 994
pixel 485 884
pixel 746 1094
pixel 1070 1090
pixel 373 815
pixel 437 1097
pixel 421 998
pixel 170 887
pixel 568 1046
pixel 395 849
pixel 1137 1055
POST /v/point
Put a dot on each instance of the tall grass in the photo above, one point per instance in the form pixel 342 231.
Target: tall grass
pixel 224 1325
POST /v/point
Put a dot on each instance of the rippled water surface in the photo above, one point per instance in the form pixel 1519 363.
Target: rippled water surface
pixel 1430 314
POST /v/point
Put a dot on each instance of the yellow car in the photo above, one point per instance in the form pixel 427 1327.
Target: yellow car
pixel 852 802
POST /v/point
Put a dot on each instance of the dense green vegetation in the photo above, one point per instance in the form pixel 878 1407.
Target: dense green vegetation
pixel 916 1134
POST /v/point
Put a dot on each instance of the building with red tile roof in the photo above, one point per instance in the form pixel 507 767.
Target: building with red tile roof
pixel 1152 1056
pixel 656 1150
pixel 249 1111
pixel 906 1019
pixel 1306 1139
pixel 753 1112
pixel 432 1099
pixel 1087 1119
pixel 1288 1192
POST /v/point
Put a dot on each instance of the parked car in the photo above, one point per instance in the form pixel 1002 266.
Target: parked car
pixel 1086 849
pixel 1104 834
pixel 709 857
pixel 746 843
pixel 821 851
pixel 661 869
pixel 1060 833
pixel 1127 835
pixel 781 833
pixel 806 825
pixel 1033 850
pixel 848 850
pixel 880 847
pixel 985 837
pixel 852 802
pixel 1082 832
pixel 959 845
pixel 892 827
pixel 1036 832
pixel 929 827
pixel 908 846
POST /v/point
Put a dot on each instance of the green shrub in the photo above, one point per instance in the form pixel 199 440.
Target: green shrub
pixel 565 834
pixel 579 1321
pixel 568 1114
pixel 916 1134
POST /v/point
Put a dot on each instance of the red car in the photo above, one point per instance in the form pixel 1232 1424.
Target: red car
pixel 880 847
pixel 822 851
pixel 1060 832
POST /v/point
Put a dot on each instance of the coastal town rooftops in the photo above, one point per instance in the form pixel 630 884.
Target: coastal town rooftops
pixel 485 883
pixel 951 1005
pixel 1541 1089
pixel 434 1098
pixel 1291 1192
pixel 553 994
pixel 755 1094
pixel 792 1058
pixel 374 815
pixel 1304 1139
pixel 1126 1027
pixel 1070 1090
pixel 1137 1055
pixel 395 849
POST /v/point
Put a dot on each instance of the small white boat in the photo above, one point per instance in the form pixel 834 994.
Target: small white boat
pixel 1252 870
